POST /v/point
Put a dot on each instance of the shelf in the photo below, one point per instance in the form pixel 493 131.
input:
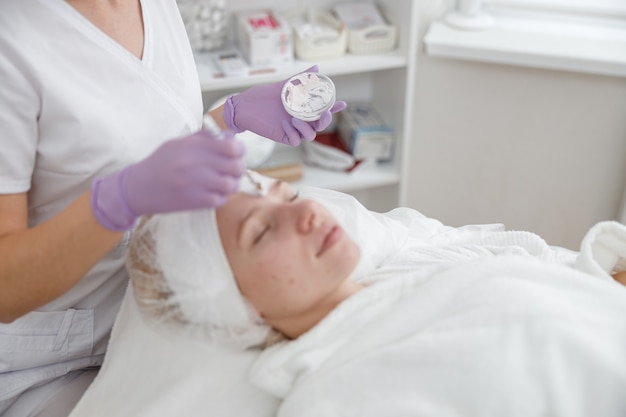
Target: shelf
pixel 388 79
pixel 368 176
pixel 347 64
pixel 365 176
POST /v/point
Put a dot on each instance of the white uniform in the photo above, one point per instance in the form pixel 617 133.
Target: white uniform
pixel 75 105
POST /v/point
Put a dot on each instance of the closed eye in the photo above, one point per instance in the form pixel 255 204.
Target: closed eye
pixel 267 228
pixel 258 238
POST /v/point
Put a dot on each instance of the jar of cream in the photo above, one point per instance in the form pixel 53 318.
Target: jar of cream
pixel 307 95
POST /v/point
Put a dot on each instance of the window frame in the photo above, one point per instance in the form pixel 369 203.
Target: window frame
pixel 612 9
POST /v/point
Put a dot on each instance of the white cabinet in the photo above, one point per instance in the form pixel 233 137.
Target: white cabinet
pixel 386 80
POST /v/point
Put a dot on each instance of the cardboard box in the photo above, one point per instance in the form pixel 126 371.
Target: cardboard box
pixel 264 38
pixel 364 133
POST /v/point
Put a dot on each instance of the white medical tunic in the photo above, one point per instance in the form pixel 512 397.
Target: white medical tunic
pixel 75 105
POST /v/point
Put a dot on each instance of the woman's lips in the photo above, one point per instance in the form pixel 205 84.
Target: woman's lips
pixel 333 236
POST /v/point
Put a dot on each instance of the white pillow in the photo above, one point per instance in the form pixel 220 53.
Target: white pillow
pixel 147 374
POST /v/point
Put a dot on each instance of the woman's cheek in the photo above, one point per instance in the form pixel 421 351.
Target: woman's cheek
pixel 266 267
pixel 273 254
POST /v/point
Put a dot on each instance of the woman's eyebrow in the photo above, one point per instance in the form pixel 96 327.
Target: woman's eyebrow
pixel 282 190
pixel 277 185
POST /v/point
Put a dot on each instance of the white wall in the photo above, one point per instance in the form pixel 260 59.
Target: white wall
pixel 537 150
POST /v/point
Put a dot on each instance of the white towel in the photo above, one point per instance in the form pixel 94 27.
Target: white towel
pixel 603 250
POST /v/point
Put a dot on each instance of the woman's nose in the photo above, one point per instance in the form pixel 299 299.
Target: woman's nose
pixel 306 215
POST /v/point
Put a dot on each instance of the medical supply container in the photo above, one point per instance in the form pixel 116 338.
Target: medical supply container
pixel 369 30
pixel 364 133
pixel 264 38
pixel 317 34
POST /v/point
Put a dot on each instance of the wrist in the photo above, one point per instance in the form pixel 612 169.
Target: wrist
pixel 217 114
pixel 109 204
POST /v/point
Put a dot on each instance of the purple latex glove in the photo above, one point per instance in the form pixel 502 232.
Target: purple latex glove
pixel 193 172
pixel 260 110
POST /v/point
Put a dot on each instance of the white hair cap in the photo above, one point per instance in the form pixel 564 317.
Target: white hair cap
pixel 183 282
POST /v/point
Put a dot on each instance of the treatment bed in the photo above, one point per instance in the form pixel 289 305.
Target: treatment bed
pixel 467 321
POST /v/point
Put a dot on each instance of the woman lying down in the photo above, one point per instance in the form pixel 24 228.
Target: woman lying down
pixel 461 322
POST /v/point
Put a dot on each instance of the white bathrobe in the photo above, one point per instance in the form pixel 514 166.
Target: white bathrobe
pixel 465 333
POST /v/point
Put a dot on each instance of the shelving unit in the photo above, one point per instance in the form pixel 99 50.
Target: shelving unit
pixel 386 80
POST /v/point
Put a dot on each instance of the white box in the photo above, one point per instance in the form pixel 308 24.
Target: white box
pixel 317 34
pixel 264 38
pixel 231 63
pixel 364 133
pixel 369 30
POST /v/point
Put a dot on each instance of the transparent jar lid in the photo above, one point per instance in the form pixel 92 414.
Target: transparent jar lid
pixel 307 95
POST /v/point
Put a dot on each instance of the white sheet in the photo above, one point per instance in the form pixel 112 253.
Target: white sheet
pixel 146 374
pixel 491 336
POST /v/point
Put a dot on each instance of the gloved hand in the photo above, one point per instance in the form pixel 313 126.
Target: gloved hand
pixel 193 172
pixel 260 110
